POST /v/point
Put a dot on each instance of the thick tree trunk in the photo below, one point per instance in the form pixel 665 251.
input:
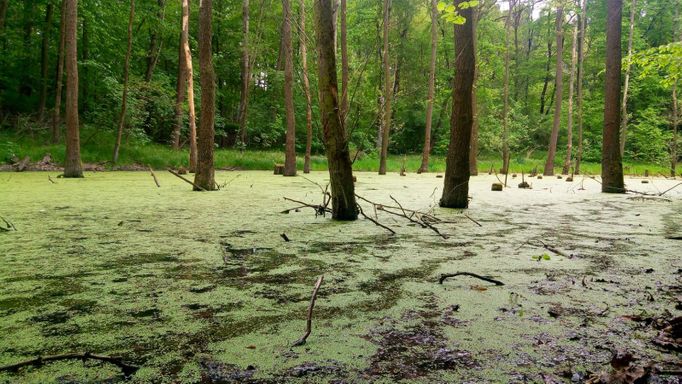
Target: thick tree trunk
pixel 611 163
pixel 56 114
pixel 626 86
pixel 205 174
pixel 44 60
pixel 245 75
pixel 344 206
pixel 306 89
pixel 344 63
pixel 505 108
pixel 126 68
pixel 571 88
pixel 388 90
pixel 558 88
pixel 180 89
pixel 155 43
pixel 72 163
pixel 190 87
pixel 456 188
pixel 290 149
pixel 473 146
pixel 582 20
pixel 426 152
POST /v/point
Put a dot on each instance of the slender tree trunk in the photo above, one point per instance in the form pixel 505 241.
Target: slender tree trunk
pixel 290 154
pixel 611 163
pixel 246 74
pixel 505 108
pixel 44 60
pixel 205 174
pixel 85 54
pixel 344 206
pixel 4 4
pixel 344 62
pixel 456 188
pixel 306 89
pixel 190 87
pixel 388 90
pixel 72 163
pixel 558 88
pixel 126 67
pixel 56 114
pixel 673 143
pixel 549 63
pixel 582 20
pixel 180 88
pixel 426 152
pixel 155 43
pixel 571 88
pixel 624 105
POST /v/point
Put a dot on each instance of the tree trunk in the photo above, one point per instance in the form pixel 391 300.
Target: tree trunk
pixel 44 59
pixel 558 88
pixel 624 105
pixel 290 153
pixel 388 90
pixel 126 68
pixel 611 163
pixel 205 174
pixel 56 114
pixel 549 62
pixel 456 188
pixel 72 163
pixel 426 152
pixel 190 87
pixel 582 20
pixel 505 108
pixel 473 150
pixel 571 88
pixel 4 4
pixel 155 43
pixel 85 55
pixel 344 206
pixel 306 89
pixel 344 63
pixel 673 143
pixel 245 75
pixel 180 88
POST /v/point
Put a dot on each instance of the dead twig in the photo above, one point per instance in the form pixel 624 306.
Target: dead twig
pixel 186 180
pixel 320 210
pixel 669 189
pixel 484 278
pixel 156 181
pixel 49 178
pixel 309 320
pixel 127 369
pixel 474 221
pixel 374 221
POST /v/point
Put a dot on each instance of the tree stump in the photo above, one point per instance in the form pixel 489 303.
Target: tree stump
pixel 559 177
pixel 539 177
pixel 279 169
pixel 496 187
pixel 524 185
pixel 646 173
pixel 569 179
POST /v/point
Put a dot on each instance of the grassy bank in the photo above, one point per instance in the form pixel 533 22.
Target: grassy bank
pixel 160 156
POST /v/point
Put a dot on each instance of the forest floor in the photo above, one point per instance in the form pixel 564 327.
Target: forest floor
pixel 200 287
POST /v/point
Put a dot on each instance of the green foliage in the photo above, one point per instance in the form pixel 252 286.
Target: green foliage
pixel 451 12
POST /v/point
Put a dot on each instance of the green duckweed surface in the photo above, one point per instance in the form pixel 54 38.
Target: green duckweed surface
pixel 200 287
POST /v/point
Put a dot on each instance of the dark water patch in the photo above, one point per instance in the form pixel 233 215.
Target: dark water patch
pixel 154 313
pixel 56 317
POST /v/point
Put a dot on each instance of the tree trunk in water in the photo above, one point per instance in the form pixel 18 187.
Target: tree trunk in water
pixel 246 74
pixel 126 68
pixel 473 150
pixel 344 206
pixel 456 188
pixel 290 150
pixel 432 88
pixel 72 163
pixel 388 91
pixel 611 163
pixel 154 44
pixel 624 105
pixel 558 88
pixel 344 63
pixel 180 89
pixel 44 60
pixel 582 20
pixel 505 108
pixel 60 76
pixel 306 89
pixel 190 87
pixel 205 174
pixel 571 88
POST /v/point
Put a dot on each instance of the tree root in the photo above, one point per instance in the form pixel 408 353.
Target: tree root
pixel 488 279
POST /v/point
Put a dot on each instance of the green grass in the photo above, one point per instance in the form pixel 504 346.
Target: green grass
pixel 158 156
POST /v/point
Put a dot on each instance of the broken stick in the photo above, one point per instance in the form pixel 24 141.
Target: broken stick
pixel 154 176
pixel 127 369
pixel 186 180
pixel 309 321
pixel 488 279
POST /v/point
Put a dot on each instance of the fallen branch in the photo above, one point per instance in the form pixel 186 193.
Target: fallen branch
pixel 669 189
pixel 320 210
pixel 50 179
pixel 10 226
pixel 474 221
pixel 309 320
pixel 127 369
pixel 548 247
pixel 374 221
pixel 186 180
pixel 488 279
pixel 156 181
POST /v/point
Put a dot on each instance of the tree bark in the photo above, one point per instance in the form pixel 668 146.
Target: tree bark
pixel 205 174
pixel 549 62
pixel 190 87
pixel 344 62
pixel 126 68
pixel 72 164
pixel 673 143
pixel 180 88
pixel 155 43
pixel 626 86
pixel 611 163
pixel 558 88
pixel 306 89
pixel 456 188
pixel 56 114
pixel 4 4
pixel 426 152
pixel 582 20
pixel 245 75
pixel 344 206
pixel 290 150
pixel 505 108
pixel 388 90
pixel 44 59
pixel 473 146
pixel 571 88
